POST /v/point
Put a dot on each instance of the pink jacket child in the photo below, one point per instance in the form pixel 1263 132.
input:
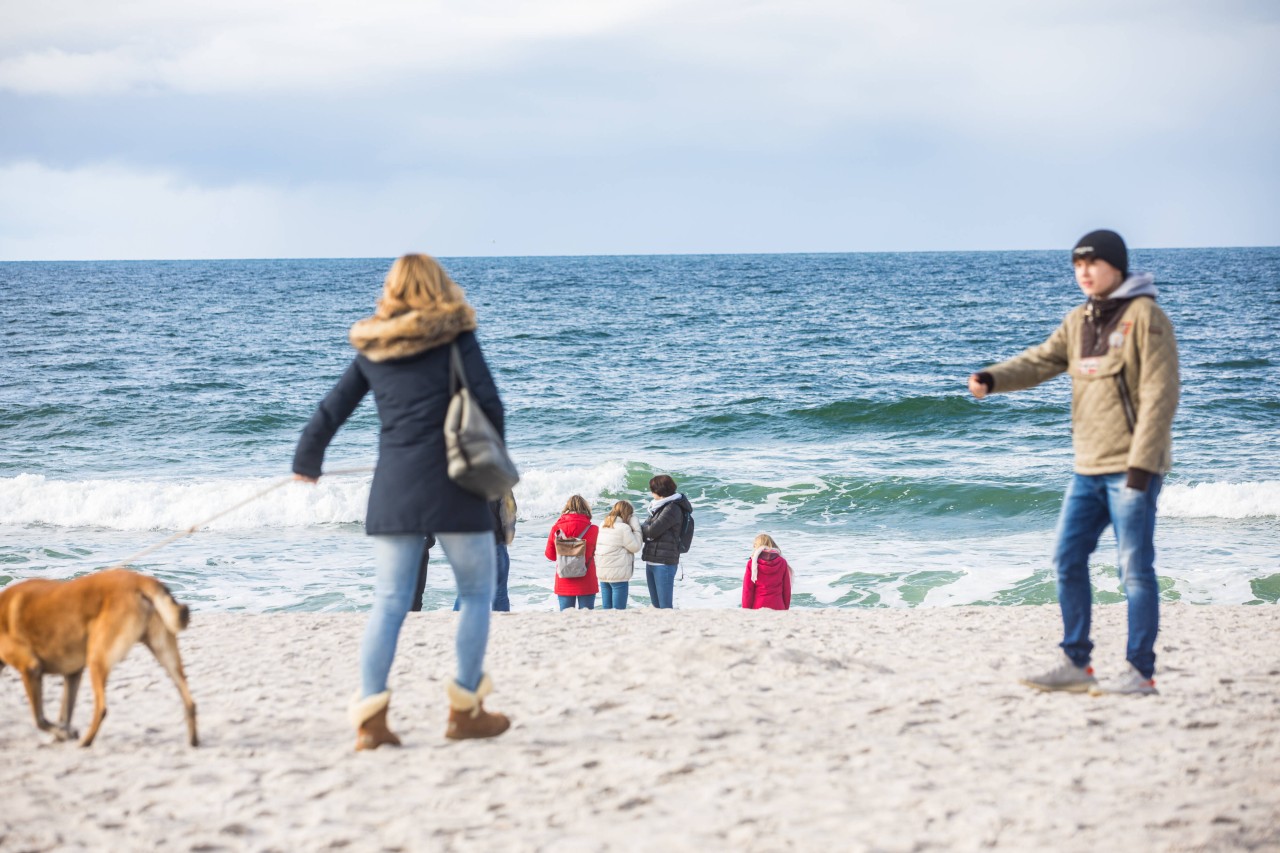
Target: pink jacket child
pixel 767 582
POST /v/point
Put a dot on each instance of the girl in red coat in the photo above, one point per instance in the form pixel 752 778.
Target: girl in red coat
pixel 767 582
pixel 575 522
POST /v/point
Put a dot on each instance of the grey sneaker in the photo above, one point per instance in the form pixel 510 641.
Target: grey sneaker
pixel 1130 683
pixel 1065 676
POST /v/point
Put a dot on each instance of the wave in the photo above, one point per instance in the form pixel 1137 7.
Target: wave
pixel 176 505
pixel 32 499
pixel 952 412
pixel 1222 500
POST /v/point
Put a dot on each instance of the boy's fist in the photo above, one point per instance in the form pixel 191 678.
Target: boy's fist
pixel 977 387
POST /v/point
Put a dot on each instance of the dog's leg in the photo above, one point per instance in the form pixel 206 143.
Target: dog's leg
pixel 98 680
pixel 70 686
pixel 164 646
pixel 33 681
pixel 104 652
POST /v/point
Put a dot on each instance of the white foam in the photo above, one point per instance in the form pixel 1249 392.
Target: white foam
pixel 177 504
pixel 1222 500
pixel 129 504
pixel 541 493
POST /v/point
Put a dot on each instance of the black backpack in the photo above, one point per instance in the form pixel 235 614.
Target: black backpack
pixel 686 533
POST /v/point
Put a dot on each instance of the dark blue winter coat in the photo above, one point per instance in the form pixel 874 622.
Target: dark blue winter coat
pixel 412 492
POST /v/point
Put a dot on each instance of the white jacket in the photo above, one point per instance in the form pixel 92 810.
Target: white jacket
pixel 616 549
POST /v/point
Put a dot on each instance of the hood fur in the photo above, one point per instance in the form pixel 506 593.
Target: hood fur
pixel 411 332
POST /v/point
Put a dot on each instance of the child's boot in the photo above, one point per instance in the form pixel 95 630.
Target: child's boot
pixel 369 715
pixel 467 716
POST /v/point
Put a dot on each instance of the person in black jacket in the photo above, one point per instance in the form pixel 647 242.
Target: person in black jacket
pixel 661 534
pixel 404 358
pixel 504 530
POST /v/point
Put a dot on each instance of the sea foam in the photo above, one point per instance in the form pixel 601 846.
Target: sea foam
pixel 1222 500
pixel 129 504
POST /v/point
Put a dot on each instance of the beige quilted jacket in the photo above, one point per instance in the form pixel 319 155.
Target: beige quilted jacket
pixel 1122 403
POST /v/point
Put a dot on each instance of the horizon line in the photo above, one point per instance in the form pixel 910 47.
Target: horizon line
pixel 605 255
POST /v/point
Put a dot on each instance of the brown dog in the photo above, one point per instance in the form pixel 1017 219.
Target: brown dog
pixel 59 627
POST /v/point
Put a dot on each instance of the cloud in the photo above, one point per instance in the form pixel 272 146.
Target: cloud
pixel 284 47
pixel 315 128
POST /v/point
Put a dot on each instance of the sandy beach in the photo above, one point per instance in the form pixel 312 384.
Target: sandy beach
pixel 687 730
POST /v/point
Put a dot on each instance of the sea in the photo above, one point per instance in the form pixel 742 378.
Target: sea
pixel 819 398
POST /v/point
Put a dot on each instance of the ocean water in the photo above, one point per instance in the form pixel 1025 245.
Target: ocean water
pixel 820 398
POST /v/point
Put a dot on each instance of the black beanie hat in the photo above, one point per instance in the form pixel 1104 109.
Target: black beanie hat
pixel 1104 244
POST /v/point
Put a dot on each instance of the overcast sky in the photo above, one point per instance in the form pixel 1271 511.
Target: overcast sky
pixel 266 128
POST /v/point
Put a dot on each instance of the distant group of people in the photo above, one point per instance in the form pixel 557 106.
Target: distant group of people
pixel 1118 348
pixel 609 552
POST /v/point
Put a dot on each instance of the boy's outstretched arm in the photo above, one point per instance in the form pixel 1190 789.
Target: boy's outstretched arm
pixel 1026 370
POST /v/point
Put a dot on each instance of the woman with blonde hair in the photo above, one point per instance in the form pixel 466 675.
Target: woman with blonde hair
pixel 616 550
pixel 403 356
pixel 767 583
pixel 575 523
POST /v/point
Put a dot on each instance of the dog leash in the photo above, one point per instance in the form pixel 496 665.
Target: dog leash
pixel 150 549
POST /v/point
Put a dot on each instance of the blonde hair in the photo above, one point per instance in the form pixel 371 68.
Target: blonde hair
pixel 621 510
pixel 577 504
pixel 416 282
pixel 764 540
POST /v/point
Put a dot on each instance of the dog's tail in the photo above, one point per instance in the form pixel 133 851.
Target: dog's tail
pixel 174 615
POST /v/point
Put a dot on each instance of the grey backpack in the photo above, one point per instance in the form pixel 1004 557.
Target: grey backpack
pixel 571 554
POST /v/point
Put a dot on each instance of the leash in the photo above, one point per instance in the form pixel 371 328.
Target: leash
pixel 150 549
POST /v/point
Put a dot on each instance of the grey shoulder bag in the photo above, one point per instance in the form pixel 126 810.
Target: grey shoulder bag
pixel 476 454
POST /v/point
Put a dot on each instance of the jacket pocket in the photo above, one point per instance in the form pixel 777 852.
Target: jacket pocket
pixel 1126 401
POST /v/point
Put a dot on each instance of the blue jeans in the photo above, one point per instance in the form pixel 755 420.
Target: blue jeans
pixel 662 584
pixel 396 560
pixel 614 595
pixel 501 601
pixel 582 602
pixel 1091 503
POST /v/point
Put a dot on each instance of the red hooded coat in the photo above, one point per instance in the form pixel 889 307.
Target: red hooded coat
pixel 572 524
pixel 772 586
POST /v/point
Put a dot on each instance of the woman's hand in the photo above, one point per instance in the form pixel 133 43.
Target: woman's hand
pixel 303 478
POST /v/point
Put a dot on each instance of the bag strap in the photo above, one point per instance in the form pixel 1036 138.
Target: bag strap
pixel 457 375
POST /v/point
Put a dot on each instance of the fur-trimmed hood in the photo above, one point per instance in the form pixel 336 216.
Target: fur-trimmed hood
pixel 411 332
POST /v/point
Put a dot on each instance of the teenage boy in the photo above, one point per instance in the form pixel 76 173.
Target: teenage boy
pixel 1121 354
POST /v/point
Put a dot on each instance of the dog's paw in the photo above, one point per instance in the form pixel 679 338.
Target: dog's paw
pixel 61 733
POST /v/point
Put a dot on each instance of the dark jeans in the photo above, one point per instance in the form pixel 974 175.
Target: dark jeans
pixel 501 601
pixel 420 585
pixel 662 584
pixel 1091 503
pixel 613 596
pixel 582 602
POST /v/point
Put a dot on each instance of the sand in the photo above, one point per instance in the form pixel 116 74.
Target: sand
pixel 687 730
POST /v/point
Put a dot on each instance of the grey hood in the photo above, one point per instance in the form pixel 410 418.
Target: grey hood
pixel 1138 284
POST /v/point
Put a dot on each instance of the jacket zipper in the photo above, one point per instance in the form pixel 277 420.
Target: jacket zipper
pixel 1125 400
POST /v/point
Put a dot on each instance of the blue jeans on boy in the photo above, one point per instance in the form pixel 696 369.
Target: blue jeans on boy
pixel 662 584
pixel 614 595
pixel 396 560
pixel 582 602
pixel 501 601
pixel 1090 504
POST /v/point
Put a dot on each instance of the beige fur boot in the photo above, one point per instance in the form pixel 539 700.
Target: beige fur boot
pixel 467 716
pixel 369 716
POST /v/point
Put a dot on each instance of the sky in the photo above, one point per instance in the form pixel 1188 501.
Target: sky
pixel 282 128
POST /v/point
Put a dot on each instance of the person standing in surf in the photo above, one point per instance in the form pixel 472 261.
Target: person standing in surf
pixel 663 533
pixel 403 356
pixel 1119 349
